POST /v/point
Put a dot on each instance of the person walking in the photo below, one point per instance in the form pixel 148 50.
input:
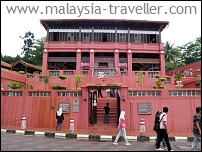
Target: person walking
pixel 163 131
pixel 156 122
pixel 59 119
pixel 122 129
pixel 100 93
pixel 106 115
pixel 196 128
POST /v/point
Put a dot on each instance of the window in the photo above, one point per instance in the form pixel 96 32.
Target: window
pixel 102 64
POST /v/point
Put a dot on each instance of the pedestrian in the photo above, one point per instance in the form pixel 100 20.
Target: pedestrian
pixel 122 129
pixel 163 131
pixel 111 92
pixel 99 93
pixel 156 122
pixel 106 115
pixel 196 128
pixel 59 119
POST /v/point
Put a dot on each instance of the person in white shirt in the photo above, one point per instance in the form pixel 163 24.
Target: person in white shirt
pixel 163 131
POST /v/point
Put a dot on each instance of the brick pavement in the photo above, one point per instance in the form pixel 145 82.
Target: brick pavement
pixel 19 142
pixel 108 135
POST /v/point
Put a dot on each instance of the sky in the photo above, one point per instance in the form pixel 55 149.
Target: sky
pixel 184 18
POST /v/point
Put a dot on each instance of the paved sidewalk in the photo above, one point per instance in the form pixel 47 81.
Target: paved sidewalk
pixel 19 142
pixel 102 135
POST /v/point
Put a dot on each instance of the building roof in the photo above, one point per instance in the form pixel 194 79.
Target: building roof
pixel 6 64
pixel 47 22
pixel 27 65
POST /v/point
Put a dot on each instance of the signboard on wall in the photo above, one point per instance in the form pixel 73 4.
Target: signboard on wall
pixel 65 107
pixel 76 105
pixel 144 108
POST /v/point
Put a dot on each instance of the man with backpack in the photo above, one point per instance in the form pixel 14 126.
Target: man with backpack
pixel 163 131
pixel 196 128
pixel 157 123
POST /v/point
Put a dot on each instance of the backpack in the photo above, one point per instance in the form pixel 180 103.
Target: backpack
pixel 157 125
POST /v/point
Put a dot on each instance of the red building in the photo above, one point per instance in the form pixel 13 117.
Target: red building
pixel 190 72
pixel 109 54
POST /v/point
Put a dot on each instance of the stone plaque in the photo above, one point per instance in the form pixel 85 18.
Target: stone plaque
pixel 76 105
pixel 75 108
pixel 144 108
pixel 65 107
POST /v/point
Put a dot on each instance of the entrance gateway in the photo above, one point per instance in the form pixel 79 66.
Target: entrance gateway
pixel 97 102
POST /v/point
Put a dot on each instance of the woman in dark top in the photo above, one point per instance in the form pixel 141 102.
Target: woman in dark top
pixel 157 119
pixel 59 119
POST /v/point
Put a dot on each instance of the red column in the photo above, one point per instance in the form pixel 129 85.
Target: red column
pixel 91 61
pixel 45 62
pixel 116 61
pixel 162 60
pixel 78 62
pixel 129 62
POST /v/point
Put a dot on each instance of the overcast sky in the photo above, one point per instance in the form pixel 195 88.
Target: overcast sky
pixel 184 18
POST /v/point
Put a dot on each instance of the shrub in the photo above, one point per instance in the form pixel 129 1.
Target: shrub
pixel 21 72
pixel 161 87
pixel 62 77
pixel 163 79
pixel 58 87
pixel 154 87
pixel 157 76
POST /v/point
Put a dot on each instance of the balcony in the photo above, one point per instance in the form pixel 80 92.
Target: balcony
pixel 145 60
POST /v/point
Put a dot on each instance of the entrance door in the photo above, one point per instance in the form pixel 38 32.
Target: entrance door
pixel 93 107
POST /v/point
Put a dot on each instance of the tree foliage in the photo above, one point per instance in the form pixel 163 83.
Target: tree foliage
pixel 36 54
pixel 78 79
pixel 15 85
pixel 182 55
pixel 191 51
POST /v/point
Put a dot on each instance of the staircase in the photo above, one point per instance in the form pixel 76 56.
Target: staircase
pixel 101 102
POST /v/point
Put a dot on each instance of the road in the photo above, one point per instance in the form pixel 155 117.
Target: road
pixel 19 142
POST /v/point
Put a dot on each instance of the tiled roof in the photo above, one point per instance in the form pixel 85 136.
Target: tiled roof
pixel 6 64
pixel 6 70
pixel 27 65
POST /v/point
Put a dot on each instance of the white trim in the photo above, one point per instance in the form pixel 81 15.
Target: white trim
pixel 104 31
pixel 82 136
pixel 103 137
pixel 39 133
pixel 181 139
pixel 60 135
pixel 19 131
pixel 3 130
pixel 131 138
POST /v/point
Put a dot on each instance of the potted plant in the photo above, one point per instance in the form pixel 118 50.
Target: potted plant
pixel 158 82
pixel 139 80
pixel 178 77
pixel 31 86
pixel 198 80
pixel 62 77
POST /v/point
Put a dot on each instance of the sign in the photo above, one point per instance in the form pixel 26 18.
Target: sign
pixel 144 108
pixel 123 65
pixel 101 74
pixel 65 107
pixel 76 105
pixel 85 64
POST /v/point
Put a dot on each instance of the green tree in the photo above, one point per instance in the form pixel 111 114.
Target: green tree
pixel 36 54
pixel 28 44
pixel 78 79
pixel 46 80
pixel 158 82
pixel 139 79
pixel 172 56
pixel 191 51
pixel 178 77
pixel 15 85
pixel 62 77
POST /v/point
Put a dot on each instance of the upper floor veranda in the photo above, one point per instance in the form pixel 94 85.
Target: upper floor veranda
pixel 104 30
